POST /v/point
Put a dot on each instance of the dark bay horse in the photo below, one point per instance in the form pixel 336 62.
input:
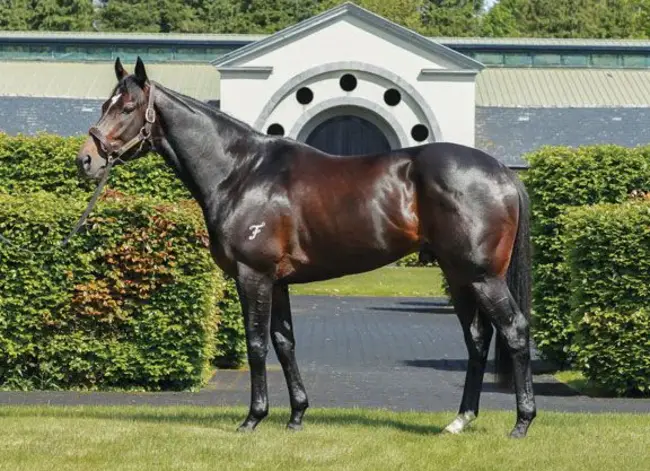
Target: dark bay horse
pixel 281 212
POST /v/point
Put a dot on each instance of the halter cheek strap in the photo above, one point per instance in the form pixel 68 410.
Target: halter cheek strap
pixel 113 152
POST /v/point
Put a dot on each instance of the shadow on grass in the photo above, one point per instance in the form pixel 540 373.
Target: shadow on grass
pixel 225 419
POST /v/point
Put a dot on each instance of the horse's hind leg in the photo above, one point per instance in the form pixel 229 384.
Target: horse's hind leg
pixel 284 345
pixel 498 304
pixel 477 331
pixel 255 291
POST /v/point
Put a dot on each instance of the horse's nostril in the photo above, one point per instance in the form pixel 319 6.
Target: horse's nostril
pixel 86 162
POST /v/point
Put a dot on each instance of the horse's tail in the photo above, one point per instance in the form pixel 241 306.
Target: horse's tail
pixel 519 282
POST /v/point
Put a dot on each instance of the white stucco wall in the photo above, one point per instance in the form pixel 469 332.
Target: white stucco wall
pixel 453 100
pixel 449 98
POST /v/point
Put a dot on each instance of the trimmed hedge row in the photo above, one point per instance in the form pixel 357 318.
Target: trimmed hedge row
pixel 608 254
pixel 413 260
pixel 559 178
pixel 131 302
pixel 47 163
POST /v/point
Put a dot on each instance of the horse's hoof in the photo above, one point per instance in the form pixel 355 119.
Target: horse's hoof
pixel 521 428
pixel 246 428
pixel 452 430
pixel 459 423
pixel 518 433
pixel 294 427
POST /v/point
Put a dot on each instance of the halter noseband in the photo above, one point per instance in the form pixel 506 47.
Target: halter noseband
pixel 113 152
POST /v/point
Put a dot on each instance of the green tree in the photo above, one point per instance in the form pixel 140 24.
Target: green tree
pixel 429 17
pixel 500 22
pixel 61 15
pixel 147 16
pixel 14 15
pixel 624 18
pixel 452 17
pixel 568 18
pixel 407 13
pixel 269 16
pixel 217 16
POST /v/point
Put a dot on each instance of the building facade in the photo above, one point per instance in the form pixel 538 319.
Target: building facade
pixel 348 81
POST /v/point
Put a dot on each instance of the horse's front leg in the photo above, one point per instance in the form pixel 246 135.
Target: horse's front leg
pixel 255 294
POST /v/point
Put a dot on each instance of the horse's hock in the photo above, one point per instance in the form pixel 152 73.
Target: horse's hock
pixel 350 82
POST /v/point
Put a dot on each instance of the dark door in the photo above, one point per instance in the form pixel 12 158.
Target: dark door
pixel 348 135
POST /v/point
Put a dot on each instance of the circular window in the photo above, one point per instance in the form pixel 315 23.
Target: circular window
pixel 392 97
pixel 275 130
pixel 348 82
pixel 304 96
pixel 420 132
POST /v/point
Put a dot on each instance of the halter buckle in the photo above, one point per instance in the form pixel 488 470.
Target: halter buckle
pixel 145 133
pixel 150 115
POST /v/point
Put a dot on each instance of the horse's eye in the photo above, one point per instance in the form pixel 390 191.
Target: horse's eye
pixel 128 108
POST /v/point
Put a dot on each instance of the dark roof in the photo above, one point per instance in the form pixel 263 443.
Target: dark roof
pixel 506 133
pixel 66 117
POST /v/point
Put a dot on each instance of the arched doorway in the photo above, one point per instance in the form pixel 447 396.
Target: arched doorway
pixel 348 135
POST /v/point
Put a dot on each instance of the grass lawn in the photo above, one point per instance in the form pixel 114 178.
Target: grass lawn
pixel 193 438
pixel 386 281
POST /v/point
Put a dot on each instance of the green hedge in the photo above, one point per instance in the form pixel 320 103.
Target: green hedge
pixel 559 178
pixel 131 302
pixel 413 260
pixel 608 254
pixel 47 163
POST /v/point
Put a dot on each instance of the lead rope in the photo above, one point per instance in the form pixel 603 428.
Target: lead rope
pixel 80 222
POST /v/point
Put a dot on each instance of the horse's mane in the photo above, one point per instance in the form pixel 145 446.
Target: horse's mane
pixel 197 106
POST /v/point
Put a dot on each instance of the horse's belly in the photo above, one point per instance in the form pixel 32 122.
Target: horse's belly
pixel 355 248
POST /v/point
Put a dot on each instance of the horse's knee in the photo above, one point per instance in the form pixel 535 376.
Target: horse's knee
pixel 257 351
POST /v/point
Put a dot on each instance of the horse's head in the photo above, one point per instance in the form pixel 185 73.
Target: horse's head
pixel 123 131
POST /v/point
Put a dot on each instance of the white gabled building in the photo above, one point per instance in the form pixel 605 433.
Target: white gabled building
pixel 349 72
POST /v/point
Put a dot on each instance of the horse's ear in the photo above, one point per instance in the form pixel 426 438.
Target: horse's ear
pixel 140 73
pixel 120 73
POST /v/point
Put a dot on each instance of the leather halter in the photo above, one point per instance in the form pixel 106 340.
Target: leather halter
pixel 113 152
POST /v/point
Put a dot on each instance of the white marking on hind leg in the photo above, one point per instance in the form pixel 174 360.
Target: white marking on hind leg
pixel 460 422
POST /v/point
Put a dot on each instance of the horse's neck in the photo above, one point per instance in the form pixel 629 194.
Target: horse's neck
pixel 200 148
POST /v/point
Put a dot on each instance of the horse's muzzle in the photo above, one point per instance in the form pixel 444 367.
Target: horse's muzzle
pixel 84 162
pixel 89 167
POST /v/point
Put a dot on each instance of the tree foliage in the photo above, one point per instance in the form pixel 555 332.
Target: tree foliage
pixel 162 16
pixel 508 18
pixel 432 17
pixel 568 19
pixel 452 17
pixel 49 15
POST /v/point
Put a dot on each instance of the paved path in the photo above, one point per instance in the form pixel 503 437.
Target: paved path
pixel 394 353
